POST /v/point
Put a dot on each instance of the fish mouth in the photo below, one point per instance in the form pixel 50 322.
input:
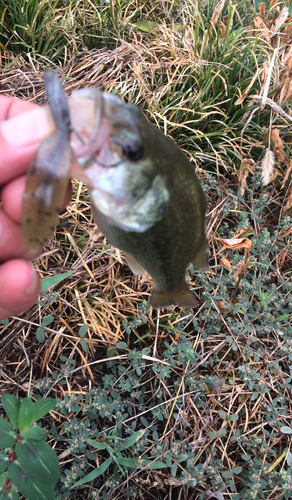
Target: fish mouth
pixel 102 155
pixel 90 131
pixel 96 121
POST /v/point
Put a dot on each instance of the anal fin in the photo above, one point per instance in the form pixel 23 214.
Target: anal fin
pixel 182 298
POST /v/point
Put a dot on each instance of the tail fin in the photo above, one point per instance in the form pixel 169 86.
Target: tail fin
pixel 57 101
pixel 182 298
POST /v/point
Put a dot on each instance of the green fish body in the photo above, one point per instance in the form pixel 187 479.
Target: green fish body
pixel 145 195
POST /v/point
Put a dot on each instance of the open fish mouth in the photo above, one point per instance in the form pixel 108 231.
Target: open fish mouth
pixel 102 156
pixel 95 119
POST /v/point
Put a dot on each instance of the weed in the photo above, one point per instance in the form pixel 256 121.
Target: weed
pixel 31 466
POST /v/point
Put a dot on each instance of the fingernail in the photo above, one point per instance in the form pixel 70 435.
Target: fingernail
pixel 34 280
pixel 28 128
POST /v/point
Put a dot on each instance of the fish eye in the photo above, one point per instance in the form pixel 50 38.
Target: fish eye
pixel 133 152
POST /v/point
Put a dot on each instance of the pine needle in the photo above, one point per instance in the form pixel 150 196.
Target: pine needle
pixel 267 166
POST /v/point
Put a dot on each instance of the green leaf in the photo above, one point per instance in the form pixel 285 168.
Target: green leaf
pixel 222 432
pixel 84 345
pixel 97 444
pixel 227 474
pixel 254 396
pixel 39 459
pixel 5 496
pixel 132 439
pixel 237 470
pixel 91 456
pixel 110 352
pixel 33 488
pixel 11 405
pixel 4 462
pixel 53 280
pixel 222 414
pixel 131 463
pixel 121 345
pixel 286 430
pixel 237 306
pixel 145 26
pixel 26 414
pixel 234 417
pixel 3 478
pixel 40 335
pixel 83 330
pixel 35 433
pixel 4 321
pixel 143 337
pixel 212 434
pixel 135 463
pixel 8 436
pixel 155 465
pixel 43 406
pixel 12 495
pixel 94 474
pixel 174 469
pixel 289 458
pixel 47 320
pixel 284 316
pixel 245 457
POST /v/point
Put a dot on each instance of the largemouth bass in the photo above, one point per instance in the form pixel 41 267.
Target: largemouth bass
pixel 145 195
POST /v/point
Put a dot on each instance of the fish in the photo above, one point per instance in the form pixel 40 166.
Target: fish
pixel 145 195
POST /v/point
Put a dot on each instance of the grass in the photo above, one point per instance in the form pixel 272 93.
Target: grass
pixel 210 388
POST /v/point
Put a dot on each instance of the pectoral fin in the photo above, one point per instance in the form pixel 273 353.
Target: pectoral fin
pixel 201 260
pixel 45 190
pixel 133 264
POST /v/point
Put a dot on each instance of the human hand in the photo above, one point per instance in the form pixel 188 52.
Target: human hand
pixel 22 126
